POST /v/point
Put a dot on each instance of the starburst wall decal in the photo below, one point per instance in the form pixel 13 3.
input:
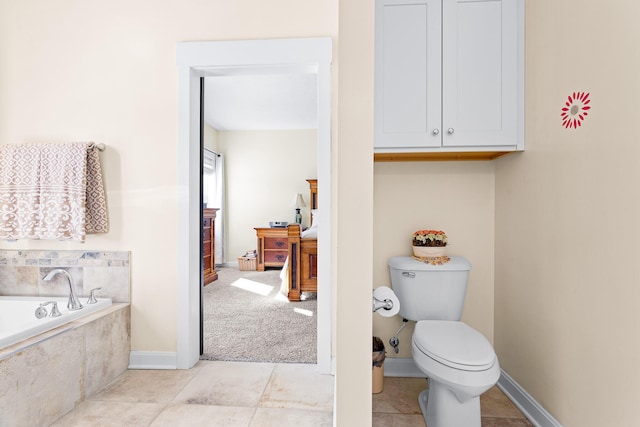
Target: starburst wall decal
pixel 575 109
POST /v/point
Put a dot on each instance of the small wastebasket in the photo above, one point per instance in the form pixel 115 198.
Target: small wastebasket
pixel 248 262
pixel 378 365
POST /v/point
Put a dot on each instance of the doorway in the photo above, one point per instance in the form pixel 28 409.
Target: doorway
pixel 265 128
pixel 201 59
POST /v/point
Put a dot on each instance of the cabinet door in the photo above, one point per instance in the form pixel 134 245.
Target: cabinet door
pixel 407 98
pixel 482 104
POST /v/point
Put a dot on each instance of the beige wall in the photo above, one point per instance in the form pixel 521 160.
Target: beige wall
pixel 210 138
pixel 264 170
pixel 567 327
pixel 354 243
pixel 457 197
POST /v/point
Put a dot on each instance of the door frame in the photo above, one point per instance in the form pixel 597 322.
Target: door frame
pixel 201 59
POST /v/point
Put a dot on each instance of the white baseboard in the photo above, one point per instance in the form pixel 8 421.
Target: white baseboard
pixel 152 360
pixel 404 367
pixel 527 404
pixel 228 264
pixel 401 367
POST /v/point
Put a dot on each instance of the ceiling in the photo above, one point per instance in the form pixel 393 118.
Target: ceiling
pixel 274 101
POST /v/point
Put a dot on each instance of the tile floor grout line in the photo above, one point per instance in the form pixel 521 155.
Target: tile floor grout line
pixel 255 409
pixel 264 389
pixel 193 377
pixel 165 405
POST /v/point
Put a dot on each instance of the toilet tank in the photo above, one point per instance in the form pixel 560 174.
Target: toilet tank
pixel 430 292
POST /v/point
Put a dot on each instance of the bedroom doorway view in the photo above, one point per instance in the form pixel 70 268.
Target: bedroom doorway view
pixel 259 137
pixel 290 57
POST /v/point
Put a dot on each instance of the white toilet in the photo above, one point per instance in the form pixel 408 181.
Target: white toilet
pixel 458 361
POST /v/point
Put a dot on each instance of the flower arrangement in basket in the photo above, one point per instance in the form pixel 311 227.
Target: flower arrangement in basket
pixel 429 238
pixel 428 243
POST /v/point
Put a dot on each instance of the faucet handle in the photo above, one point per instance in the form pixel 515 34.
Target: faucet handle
pixel 92 297
pixel 54 311
pixel 41 312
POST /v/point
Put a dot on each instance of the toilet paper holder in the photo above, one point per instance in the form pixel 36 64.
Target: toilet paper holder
pixel 385 299
pixel 387 304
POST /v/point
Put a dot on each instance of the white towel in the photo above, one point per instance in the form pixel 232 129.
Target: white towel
pixel 51 191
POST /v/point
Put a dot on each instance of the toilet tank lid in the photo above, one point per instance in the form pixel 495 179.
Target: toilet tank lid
pixel 407 263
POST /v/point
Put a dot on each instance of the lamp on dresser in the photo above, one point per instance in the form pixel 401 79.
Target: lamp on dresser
pixel 298 203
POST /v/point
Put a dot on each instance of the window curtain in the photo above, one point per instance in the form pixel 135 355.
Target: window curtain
pixel 214 196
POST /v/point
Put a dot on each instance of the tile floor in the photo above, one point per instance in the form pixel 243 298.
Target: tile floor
pixel 397 406
pixel 213 393
pixel 237 394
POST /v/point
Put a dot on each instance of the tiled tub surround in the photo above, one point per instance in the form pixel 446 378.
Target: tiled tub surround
pixel 21 273
pixel 44 377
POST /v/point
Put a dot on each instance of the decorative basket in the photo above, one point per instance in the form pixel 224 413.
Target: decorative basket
pixel 247 264
pixel 428 251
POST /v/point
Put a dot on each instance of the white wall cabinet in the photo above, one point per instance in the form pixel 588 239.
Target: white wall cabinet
pixel 449 76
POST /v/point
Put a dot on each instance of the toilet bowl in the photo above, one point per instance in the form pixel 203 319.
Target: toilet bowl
pixel 460 365
pixel 458 361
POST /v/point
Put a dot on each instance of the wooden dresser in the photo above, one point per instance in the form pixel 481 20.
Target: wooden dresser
pixel 273 247
pixel 208 245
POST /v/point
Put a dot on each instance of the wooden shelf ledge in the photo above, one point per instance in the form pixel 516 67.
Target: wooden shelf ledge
pixel 438 156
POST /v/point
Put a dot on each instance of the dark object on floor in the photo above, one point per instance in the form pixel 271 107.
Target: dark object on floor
pixel 378 352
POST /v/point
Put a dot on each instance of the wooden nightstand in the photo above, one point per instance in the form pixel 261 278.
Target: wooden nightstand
pixel 273 247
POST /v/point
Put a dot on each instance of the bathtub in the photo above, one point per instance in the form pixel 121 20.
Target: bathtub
pixel 18 321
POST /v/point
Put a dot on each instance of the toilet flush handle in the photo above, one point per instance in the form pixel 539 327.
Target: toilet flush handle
pixel 409 274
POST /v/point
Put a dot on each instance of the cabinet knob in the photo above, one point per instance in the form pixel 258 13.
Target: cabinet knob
pixel 436 131
pixel 450 131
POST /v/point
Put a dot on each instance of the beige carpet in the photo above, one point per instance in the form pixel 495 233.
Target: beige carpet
pixel 246 318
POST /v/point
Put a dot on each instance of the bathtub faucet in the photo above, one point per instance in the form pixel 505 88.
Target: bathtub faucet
pixel 74 303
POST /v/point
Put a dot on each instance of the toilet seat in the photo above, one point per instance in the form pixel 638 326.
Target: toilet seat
pixel 454 344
